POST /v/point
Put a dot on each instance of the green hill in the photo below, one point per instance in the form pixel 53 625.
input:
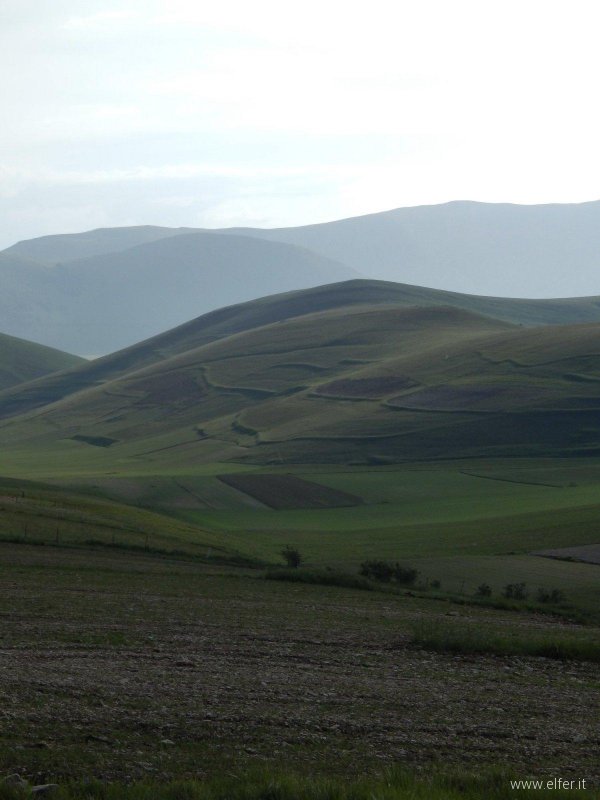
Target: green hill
pixel 22 361
pixel 225 322
pixel 357 384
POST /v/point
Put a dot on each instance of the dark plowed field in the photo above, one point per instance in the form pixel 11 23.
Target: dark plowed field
pixel 288 491
pixel 117 666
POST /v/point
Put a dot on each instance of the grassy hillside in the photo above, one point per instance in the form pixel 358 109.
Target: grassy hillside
pixel 242 317
pixel 22 361
pixel 38 513
pixel 357 384
pixel 286 368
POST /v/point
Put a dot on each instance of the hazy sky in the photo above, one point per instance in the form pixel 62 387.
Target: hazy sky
pixel 273 113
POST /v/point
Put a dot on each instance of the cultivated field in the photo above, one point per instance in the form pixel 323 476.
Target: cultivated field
pixel 124 666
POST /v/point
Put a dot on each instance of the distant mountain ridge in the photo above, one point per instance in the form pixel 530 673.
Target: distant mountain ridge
pixel 99 291
pixel 107 301
pixel 499 249
pixel 61 248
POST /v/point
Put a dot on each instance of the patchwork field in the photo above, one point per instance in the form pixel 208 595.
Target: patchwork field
pixel 462 523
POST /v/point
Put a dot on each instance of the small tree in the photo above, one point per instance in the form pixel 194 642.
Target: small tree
pixel 484 590
pixel 291 556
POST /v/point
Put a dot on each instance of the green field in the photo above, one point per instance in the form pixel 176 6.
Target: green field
pixel 460 523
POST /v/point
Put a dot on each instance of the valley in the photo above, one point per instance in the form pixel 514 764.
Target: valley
pixel 154 492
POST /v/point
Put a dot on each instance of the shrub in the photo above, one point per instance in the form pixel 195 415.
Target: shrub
pixel 554 596
pixel 327 577
pixel 377 570
pixel 291 556
pixel 436 584
pixel 515 591
pixel 384 571
pixel 405 575
pixel 484 590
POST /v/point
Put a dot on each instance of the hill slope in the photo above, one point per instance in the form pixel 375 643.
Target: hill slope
pixel 277 308
pixel 356 384
pixel 22 361
pixel 105 302
pixel 479 248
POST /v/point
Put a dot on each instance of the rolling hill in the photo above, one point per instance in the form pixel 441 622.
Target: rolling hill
pixel 243 317
pixel 22 361
pixel 357 383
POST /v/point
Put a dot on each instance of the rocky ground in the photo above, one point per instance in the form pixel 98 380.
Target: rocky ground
pixel 122 666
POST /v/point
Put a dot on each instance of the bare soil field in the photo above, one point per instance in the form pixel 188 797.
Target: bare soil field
pixel 289 491
pixel 122 666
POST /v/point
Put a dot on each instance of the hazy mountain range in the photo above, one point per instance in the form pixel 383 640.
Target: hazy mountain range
pixel 103 302
pixel 96 292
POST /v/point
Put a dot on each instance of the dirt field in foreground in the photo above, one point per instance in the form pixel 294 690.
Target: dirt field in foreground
pixel 120 666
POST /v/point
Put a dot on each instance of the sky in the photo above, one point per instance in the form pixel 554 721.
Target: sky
pixel 275 113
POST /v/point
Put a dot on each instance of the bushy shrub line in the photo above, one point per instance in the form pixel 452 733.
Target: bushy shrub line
pixel 324 577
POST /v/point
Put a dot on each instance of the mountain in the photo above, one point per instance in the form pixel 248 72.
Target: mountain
pixel 22 361
pixel 479 248
pixel 105 302
pixel 60 248
pixel 302 379
pixel 99 291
